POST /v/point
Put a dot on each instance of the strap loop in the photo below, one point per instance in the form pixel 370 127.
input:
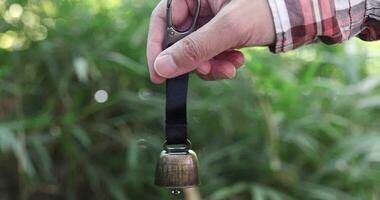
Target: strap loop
pixel 176 115
pixel 176 89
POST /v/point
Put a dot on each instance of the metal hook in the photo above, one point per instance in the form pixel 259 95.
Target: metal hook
pixel 173 35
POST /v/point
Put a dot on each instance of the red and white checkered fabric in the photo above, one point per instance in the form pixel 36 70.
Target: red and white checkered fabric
pixel 300 22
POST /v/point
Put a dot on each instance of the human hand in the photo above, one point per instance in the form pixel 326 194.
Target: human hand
pixel 225 25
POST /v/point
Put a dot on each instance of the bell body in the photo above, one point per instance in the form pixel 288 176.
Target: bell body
pixel 177 169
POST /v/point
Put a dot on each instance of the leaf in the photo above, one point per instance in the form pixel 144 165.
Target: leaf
pixel 230 191
pixel 320 192
pixel 261 192
pixel 42 156
pixel 81 136
pixel 126 62
pixel 8 140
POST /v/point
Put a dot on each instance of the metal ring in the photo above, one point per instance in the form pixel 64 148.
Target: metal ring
pixel 169 19
pixel 178 147
pixel 173 35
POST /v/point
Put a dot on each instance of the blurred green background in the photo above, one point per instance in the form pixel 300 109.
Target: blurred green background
pixel 301 125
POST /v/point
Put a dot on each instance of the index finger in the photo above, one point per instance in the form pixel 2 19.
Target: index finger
pixel 155 39
pixel 157 30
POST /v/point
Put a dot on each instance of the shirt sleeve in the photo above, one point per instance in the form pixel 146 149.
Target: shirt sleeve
pixel 371 25
pixel 300 22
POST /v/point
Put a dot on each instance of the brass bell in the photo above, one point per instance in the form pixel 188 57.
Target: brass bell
pixel 177 167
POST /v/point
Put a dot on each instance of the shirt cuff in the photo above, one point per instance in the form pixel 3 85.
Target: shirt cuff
pixel 300 22
pixel 371 26
pixel 281 20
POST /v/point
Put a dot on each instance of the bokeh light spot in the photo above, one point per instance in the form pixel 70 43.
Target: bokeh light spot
pixel 81 69
pixel 49 8
pixel 142 143
pixel 101 96
pixel 38 33
pixel 2 6
pixel 7 39
pixel 15 10
pixel 30 19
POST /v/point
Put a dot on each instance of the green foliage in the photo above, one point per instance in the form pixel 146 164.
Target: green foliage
pixel 301 125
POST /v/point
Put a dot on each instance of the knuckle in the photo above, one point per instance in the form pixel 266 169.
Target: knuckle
pixel 157 11
pixel 154 13
pixel 192 49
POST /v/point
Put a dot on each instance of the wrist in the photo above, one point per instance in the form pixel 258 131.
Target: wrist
pixel 262 29
pixel 266 24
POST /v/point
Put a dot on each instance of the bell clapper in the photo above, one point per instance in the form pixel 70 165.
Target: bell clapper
pixel 176 192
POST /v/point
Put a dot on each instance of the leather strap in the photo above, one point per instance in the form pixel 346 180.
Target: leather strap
pixel 176 115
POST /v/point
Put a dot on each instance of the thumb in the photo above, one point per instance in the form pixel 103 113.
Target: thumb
pixel 187 54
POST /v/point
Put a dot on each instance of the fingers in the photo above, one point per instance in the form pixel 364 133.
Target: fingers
pixel 204 68
pixel 189 53
pixel 220 70
pixel 156 34
pixel 155 38
pixel 234 56
pixel 223 66
pixel 202 50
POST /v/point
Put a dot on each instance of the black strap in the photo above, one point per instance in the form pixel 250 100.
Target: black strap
pixel 176 119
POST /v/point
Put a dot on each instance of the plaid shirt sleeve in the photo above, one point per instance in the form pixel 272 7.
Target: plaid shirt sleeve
pixel 300 22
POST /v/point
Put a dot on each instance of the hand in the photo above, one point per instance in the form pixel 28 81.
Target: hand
pixel 225 25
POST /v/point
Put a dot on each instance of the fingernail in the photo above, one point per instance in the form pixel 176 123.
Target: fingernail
pixel 204 68
pixel 229 73
pixel 165 66
pixel 240 61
